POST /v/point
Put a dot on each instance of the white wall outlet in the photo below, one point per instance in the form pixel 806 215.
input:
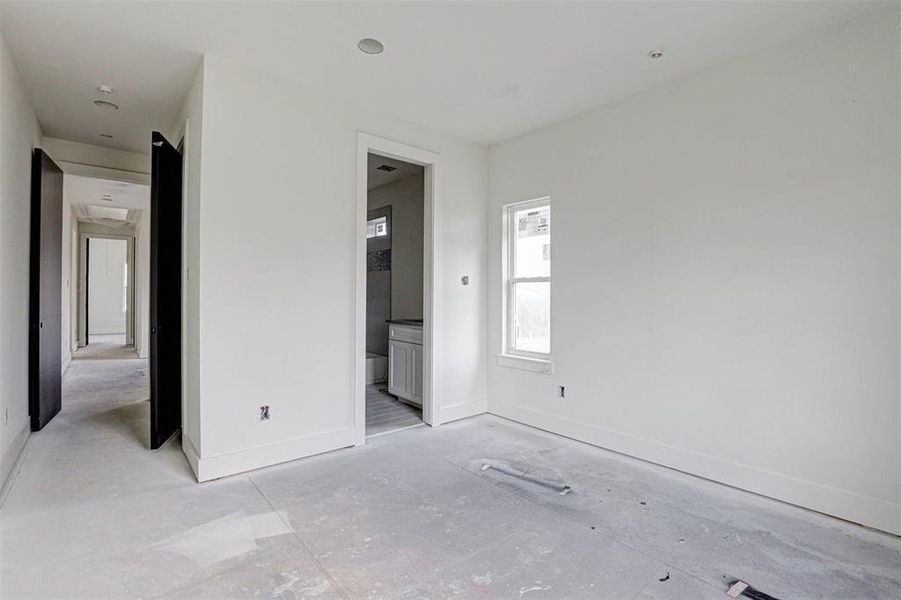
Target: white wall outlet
pixel 561 391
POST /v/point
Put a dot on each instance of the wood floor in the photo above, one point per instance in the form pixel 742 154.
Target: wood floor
pixel 385 413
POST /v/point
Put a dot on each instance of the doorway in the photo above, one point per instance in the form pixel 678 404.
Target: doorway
pixel 107 290
pixel 394 299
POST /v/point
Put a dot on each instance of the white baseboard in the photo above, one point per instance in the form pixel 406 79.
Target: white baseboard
pixel 67 360
pixel 191 454
pixel 872 512
pixel 12 454
pixel 231 463
pixel 462 410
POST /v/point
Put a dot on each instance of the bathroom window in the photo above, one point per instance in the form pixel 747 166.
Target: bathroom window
pixel 527 274
pixel 377 227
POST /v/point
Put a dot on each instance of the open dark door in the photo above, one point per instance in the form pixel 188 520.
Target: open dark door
pixel 165 291
pixel 45 301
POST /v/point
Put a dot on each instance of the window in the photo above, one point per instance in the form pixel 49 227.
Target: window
pixel 377 227
pixel 528 279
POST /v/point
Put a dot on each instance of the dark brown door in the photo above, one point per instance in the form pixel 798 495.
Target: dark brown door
pixel 165 291
pixel 45 302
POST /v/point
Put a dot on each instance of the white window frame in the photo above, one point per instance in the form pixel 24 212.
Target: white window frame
pixel 511 356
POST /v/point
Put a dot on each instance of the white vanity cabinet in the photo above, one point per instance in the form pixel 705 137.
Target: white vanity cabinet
pixel 405 362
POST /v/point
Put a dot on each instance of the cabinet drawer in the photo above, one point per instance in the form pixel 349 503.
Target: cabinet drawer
pixel 405 334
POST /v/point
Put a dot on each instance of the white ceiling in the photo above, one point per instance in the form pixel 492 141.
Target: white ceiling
pixel 485 71
pixel 107 212
pixel 91 191
pixel 377 178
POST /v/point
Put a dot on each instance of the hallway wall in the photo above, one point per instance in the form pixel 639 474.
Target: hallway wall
pixel 19 134
pixel 106 279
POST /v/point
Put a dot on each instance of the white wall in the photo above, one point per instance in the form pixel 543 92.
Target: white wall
pixel 406 198
pixel 19 134
pixel 190 124
pixel 726 274
pixel 284 335
pixel 106 264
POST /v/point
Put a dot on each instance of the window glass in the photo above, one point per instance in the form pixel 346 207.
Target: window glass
pixel 532 243
pixel 532 316
pixel 528 279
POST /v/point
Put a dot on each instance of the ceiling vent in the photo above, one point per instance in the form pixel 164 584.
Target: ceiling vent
pixel 386 168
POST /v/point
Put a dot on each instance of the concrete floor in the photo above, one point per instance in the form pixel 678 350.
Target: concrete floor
pixel 93 514
pixel 105 346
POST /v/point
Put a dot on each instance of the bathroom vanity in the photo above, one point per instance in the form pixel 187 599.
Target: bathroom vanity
pixel 405 360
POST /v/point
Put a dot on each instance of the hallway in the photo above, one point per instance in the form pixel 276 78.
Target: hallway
pixel 78 480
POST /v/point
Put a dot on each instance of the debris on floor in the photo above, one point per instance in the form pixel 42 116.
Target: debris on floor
pixel 664 578
pixel 740 588
pixel 556 485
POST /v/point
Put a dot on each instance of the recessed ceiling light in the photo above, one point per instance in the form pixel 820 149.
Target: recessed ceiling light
pixel 106 104
pixel 106 135
pixel 370 46
pixel 105 90
pixel 656 53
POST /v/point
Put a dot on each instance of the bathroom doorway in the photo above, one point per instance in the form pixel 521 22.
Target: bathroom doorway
pixel 394 322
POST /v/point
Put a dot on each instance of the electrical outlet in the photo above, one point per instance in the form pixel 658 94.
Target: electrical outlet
pixel 562 392
pixel 264 412
pixel 5 416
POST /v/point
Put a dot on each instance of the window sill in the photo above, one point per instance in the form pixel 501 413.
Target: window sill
pixel 536 365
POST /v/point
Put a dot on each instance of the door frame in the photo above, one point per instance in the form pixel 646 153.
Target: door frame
pixel 83 293
pixel 366 144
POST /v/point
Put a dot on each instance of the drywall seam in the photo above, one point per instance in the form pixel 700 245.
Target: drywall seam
pixel 873 512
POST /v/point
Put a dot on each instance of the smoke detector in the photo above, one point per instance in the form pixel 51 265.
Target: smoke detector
pixel 656 53
pixel 370 46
